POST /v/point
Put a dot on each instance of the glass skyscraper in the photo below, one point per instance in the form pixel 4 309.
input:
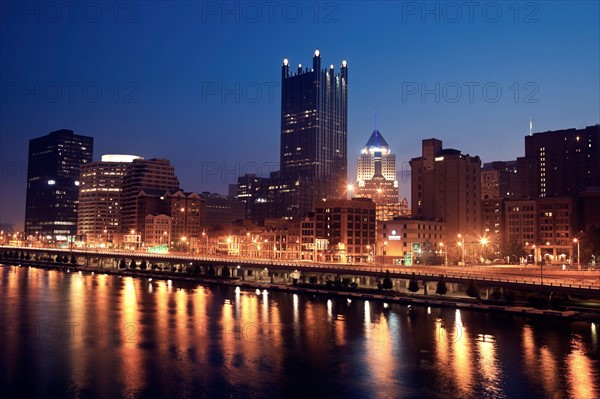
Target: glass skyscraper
pixel 314 126
pixel 314 141
pixel 53 184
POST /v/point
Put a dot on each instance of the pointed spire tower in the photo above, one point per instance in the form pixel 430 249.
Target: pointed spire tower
pixel 376 175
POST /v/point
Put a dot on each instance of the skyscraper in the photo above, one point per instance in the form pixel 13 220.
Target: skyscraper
pixel 314 126
pixel 376 172
pixel 560 163
pixel 446 186
pixel 499 180
pixel 144 174
pixel 53 183
pixel 100 198
pixel 313 150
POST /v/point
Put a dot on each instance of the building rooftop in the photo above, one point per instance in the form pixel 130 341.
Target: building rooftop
pixel 376 140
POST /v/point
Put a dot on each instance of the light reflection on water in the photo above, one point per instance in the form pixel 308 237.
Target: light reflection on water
pixel 82 335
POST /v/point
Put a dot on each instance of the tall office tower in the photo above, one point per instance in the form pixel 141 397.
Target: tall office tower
pixel 314 127
pixel 446 186
pixel 101 186
pixel 376 175
pixel 252 191
pixel 53 183
pixel 499 180
pixel 144 174
pixel 560 163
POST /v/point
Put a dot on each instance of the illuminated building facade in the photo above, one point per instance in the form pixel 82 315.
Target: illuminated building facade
pixel 313 148
pixel 405 241
pixel 349 228
pixel 560 163
pixel 100 198
pixel 252 191
pixel 157 231
pixel 445 186
pixel 314 124
pixel 376 172
pixel 53 184
pixel 144 174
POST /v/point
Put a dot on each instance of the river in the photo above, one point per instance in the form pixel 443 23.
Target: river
pixel 82 335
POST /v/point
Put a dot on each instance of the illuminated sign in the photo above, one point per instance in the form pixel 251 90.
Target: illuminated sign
pixel 158 249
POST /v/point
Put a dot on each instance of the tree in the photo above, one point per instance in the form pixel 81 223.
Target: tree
pixel 143 265
pixel 132 265
pixel 387 281
pixel 514 249
pixel 413 284
pixel 225 272
pixel 73 260
pixel 538 300
pixel 122 264
pixel 589 243
pixel 496 294
pixel 212 271
pixel 154 266
pixel 58 258
pixel 441 288
pixel 509 295
pixel 473 289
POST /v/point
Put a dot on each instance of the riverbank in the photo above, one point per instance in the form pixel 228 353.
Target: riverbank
pixel 445 301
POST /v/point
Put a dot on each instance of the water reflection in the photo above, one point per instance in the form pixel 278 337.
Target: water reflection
pixel 581 372
pixel 488 366
pixel 462 361
pixel 75 334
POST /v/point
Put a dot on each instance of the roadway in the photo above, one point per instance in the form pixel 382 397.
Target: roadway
pixel 523 274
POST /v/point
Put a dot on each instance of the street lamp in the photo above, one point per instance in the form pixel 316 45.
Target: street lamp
pixel 184 243
pixel 205 235
pixel 132 232
pixel 445 253
pixel 576 241
pixel 483 242
pixel 461 244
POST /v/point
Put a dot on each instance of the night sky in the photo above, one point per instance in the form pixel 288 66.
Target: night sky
pixel 147 78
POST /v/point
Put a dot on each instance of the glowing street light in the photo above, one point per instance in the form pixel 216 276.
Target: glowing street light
pixel 483 242
pixel 461 244
pixel 576 241
pixel 184 243
pixel 445 254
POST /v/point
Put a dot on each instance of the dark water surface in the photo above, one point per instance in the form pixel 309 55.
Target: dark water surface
pixel 73 335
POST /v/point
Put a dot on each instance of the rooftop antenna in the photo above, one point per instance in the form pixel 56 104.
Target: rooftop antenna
pixel 530 126
pixel 376 131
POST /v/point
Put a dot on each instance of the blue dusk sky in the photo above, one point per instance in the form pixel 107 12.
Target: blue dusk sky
pixel 199 82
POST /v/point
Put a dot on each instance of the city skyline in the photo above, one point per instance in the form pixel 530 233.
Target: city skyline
pixel 187 111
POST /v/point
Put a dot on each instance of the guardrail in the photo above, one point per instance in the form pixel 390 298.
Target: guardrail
pixel 451 272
